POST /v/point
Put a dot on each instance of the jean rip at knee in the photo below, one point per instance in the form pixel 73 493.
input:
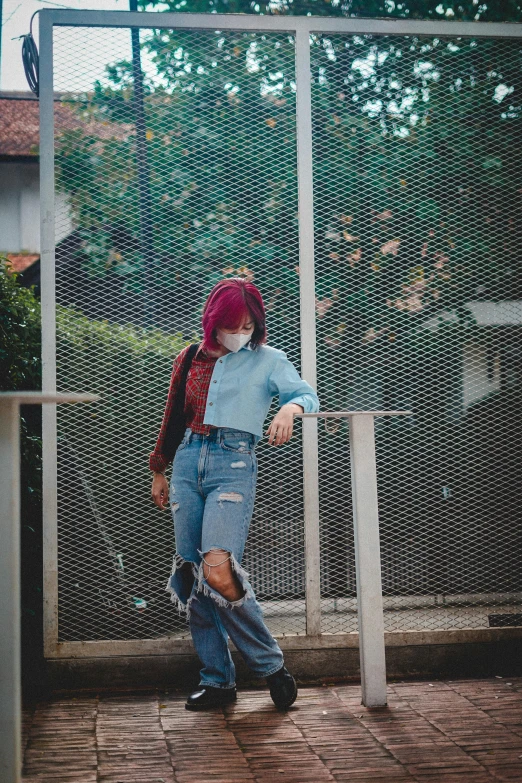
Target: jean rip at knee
pixel 207 589
pixel 180 583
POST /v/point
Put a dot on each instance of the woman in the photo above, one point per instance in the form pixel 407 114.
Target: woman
pixel 233 378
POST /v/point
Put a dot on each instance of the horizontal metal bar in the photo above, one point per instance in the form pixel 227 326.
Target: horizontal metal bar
pixel 152 20
pixel 346 414
pixel 326 641
pixel 291 24
pixel 413 27
pixel 38 397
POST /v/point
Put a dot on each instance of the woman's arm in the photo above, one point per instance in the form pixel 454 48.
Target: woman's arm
pixel 295 396
pixel 285 381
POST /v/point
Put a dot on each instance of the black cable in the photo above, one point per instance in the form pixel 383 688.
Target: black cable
pixel 30 59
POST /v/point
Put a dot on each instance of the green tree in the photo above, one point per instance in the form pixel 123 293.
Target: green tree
pixel 498 11
pixel 417 164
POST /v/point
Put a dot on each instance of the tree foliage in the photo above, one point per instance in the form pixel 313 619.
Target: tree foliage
pixel 416 168
pixel 20 370
pixel 498 11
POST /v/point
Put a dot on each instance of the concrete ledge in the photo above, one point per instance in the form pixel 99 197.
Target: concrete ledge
pixel 447 654
pixel 326 641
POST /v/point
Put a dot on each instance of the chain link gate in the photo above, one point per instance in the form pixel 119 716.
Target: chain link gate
pixel 189 158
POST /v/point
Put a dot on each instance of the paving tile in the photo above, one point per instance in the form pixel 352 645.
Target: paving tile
pixel 465 731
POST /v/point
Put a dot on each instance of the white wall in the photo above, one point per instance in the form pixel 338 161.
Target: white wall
pixel 476 383
pixel 20 209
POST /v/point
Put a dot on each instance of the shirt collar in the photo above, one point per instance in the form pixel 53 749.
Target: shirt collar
pixel 199 353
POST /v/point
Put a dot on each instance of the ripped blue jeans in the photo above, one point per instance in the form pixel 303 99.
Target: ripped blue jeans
pixel 212 493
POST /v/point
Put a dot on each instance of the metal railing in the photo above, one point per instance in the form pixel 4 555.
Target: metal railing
pixel 306 154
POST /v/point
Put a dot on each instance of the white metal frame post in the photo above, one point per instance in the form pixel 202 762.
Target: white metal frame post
pixel 48 301
pixel 10 687
pixel 308 331
pixel 370 615
pixel 301 27
pixel 10 623
pixel 365 512
pixel 290 24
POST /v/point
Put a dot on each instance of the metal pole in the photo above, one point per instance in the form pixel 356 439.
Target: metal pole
pixel 1 27
pixel 10 648
pixel 48 304
pixel 368 560
pixel 142 164
pixel 10 668
pixel 307 307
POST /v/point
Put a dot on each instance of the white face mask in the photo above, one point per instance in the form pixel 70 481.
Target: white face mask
pixel 233 341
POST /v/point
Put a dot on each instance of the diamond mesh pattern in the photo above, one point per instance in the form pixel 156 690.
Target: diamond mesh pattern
pixel 220 199
pixel 417 166
pixel 418 228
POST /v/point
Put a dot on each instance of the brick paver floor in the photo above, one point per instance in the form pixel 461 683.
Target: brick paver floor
pixel 447 731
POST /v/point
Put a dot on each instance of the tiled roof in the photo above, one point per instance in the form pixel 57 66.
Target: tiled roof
pixel 19 125
pixel 19 262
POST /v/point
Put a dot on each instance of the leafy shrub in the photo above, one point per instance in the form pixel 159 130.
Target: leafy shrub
pixel 20 369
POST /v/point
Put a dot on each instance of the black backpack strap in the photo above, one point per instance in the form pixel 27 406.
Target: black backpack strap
pixel 176 424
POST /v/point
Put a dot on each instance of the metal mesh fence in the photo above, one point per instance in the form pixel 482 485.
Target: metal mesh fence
pixel 215 196
pixel 418 227
pixel 179 169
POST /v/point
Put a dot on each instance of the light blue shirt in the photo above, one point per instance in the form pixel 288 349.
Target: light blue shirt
pixel 244 383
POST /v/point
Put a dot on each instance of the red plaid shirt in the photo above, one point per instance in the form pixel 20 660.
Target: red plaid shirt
pixel 198 380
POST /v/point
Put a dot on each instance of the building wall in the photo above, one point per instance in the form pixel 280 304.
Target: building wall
pixel 480 372
pixel 20 209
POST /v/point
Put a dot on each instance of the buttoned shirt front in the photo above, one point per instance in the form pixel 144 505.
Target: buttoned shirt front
pixel 235 390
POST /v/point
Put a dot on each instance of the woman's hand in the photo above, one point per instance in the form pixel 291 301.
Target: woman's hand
pixel 282 425
pixel 160 491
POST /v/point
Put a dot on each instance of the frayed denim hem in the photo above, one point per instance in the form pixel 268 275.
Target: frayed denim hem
pixel 177 563
pixel 242 575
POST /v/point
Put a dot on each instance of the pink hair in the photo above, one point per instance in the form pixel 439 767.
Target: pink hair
pixel 227 304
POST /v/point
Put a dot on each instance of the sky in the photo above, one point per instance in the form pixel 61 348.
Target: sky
pixel 16 18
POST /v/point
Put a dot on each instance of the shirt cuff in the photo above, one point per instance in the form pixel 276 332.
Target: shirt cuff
pixel 306 401
pixel 157 463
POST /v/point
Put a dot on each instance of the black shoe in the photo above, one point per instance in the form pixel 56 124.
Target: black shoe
pixel 283 688
pixel 207 697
